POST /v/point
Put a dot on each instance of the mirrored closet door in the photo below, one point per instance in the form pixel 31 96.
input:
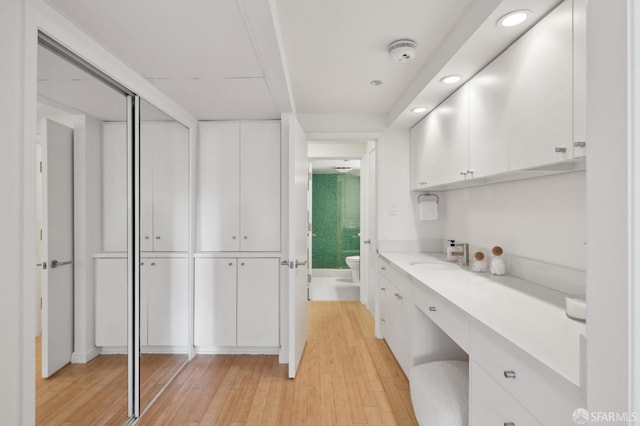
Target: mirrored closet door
pixel 114 252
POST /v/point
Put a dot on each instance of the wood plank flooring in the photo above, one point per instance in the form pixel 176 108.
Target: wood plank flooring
pixel 96 392
pixel 346 377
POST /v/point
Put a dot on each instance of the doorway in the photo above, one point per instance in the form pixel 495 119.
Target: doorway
pixel 338 216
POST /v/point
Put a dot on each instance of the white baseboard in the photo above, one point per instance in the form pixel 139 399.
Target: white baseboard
pixel 237 350
pixel 84 357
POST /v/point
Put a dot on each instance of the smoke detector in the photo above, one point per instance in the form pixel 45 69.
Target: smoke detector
pixel 402 50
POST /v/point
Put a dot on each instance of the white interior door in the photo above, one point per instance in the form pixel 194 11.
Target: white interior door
pixel 57 245
pixel 371 249
pixel 298 238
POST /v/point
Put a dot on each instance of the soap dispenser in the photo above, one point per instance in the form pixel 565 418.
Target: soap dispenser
pixel 450 250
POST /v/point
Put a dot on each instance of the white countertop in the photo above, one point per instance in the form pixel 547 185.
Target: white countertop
pixel 530 316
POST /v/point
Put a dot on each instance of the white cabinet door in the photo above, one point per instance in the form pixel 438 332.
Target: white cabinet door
pixel 579 77
pixel 258 302
pixel 218 186
pixel 443 152
pixel 215 302
pixel 533 100
pixel 111 302
pixel 448 139
pixel 488 139
pixel 146 189
pixel 166 292
pixel 114 187
pixel 418 137
pixel 170 185
pixel 260 186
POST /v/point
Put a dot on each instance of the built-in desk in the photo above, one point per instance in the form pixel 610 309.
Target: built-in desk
pixel 525 353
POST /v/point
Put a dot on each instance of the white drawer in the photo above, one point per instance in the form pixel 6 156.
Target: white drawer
pixel 451 319
pixel 490 404
pixel 548 396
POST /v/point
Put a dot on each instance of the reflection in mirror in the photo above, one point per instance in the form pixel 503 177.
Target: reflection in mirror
pixel 164 241
pixel 82 364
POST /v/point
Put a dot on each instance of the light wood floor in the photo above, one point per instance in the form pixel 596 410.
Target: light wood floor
pixel 96 392
pixel 346 377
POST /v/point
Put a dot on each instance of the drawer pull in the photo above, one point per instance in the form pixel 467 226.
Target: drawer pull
pixel 396 295
pixel 561 149
pixel 383 289
pixel 383 268
pixel 509 424
pixel 510 374
pixel 382 319
pixel 432 308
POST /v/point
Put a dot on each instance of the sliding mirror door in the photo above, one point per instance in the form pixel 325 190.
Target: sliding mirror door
pixel 82 173
pixel 164 246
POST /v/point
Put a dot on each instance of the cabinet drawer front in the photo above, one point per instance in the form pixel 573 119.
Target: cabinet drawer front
pixel 551 398
pixel 449 318
pixel 491 405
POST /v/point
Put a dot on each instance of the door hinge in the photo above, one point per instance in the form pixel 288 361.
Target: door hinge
pixel 309 278
pixel 41 167
pixel 41 235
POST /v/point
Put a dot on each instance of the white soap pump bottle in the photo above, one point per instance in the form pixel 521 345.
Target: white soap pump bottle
pixel 450 250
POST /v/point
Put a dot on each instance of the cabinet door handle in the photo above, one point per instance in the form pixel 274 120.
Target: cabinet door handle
pixel 234 237
pixel 382 320
pixel 510 374
pixel 230 263
pixel 509 424
pixel 580 144
pixel 561 149
pixel 382 268
pixel 245 237
pixel 153 263
pixel 463 173
pixel 146 237
pixel 383 289
pixel 242 264
pixel 367 241
pixel 470 172
pixel 158 237
pixel 400 297
pixel 432 308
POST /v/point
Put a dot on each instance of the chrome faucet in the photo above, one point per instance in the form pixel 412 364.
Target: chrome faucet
pixel 464 254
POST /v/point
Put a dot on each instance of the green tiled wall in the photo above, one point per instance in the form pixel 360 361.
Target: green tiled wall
pixel 336 219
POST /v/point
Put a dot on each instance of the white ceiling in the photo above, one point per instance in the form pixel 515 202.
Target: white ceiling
pixel 248 59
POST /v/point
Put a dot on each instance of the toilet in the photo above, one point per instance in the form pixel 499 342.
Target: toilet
pixel 354 264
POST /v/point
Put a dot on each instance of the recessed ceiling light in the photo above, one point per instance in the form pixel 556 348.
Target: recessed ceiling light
pixel 419 109
pixel 375 82
pixel 514 18
pixel 450 79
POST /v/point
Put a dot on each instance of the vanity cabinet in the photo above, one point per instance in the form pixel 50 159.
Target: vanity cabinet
pixel 164 181
pixel 236 302
pixel 524 110
pixel 395 314
pixel 239 186
pixel 164 295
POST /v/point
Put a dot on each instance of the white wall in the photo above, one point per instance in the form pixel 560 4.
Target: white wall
pixel 608 186
pixel 88 231
pixel 398 224
pixel 542 218
pixel 12 320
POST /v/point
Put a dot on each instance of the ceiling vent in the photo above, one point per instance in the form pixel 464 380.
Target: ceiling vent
pixel 402 50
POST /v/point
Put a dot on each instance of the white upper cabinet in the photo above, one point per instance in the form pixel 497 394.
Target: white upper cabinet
pixel 524 110
pixel 579 78
pixel 441 143
pixel 532 106
pixel 239 186
pixel 114 187
pixel 164 181
pixel 260 186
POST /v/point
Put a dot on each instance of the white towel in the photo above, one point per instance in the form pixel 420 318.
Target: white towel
pixel 428 209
